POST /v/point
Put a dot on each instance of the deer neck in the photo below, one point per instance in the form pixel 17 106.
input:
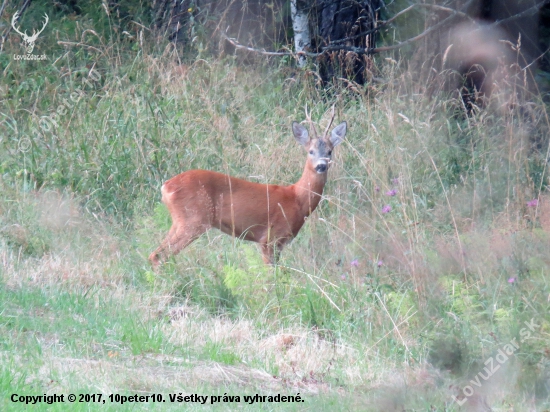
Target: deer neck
pixel 309 189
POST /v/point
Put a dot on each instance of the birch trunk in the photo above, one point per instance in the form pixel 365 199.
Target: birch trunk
pixel 300 25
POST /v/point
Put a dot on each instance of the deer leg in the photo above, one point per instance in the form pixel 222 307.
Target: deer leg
pixel 177 239
pixel 271 251
pixel 268 252
pixel 271 246
pixel 155 257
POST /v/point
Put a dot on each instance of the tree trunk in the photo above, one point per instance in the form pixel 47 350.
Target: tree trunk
pixel 300 26
pixel 345 23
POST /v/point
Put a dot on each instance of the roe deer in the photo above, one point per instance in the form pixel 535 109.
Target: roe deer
pixel 270 215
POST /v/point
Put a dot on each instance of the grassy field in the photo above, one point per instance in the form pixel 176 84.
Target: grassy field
pixel 420 282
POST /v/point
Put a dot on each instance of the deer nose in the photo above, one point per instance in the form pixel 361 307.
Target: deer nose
pixel 321 168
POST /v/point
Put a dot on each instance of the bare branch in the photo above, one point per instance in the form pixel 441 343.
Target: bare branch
pixel 237 45
pixel 416 38
pixel 531 10
pixel 358 50
pixel 3 7
pixel 384 23
pixel 337 46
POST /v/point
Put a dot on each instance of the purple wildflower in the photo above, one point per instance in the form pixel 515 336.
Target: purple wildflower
pixel 511 280
pixel 343 277
pixel 376 189
pixel 380 263
pixel 354 263
pixel 395 181
pixel 392 192
pixel 386 209
pixel 532 203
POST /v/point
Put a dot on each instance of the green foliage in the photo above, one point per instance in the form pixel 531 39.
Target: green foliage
pixel 402 304
pixel 142 337
pixel 234 278
pixel 245 282
pixel 161 217
pixel 75 316
pixel 217 353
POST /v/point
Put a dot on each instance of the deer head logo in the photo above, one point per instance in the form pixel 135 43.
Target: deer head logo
pixel 29 40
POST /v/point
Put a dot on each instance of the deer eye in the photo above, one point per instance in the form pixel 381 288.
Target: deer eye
pixel 311 152
pixel 330 152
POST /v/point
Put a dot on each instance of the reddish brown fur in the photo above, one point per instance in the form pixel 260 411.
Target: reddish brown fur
pixel 270 215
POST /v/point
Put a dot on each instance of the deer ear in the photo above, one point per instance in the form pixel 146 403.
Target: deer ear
pixel 300 133
pixel 338 133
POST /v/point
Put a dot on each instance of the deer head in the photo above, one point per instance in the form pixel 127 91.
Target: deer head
pixel 29 40
pixel 319 148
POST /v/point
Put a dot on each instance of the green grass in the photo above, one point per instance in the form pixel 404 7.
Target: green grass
pixel 369 309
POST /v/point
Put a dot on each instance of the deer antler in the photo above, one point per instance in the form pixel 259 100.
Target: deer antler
pixel 34 33
pixel 329 124
pixel 13 21
pixel 312 125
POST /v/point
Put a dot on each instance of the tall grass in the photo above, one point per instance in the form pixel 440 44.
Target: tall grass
pixel 426 256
